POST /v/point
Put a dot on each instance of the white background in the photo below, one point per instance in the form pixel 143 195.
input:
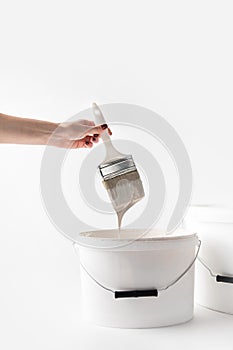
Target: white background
pixel 56 57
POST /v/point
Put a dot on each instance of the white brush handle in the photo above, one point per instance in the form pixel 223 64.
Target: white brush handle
pixel 111 152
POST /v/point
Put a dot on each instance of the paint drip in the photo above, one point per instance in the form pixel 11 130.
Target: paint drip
pixel 124 191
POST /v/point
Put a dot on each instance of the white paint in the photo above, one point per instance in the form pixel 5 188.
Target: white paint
pixel 125 193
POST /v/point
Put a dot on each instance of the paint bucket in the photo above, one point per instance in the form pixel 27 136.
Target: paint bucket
pixel 132 282
pixel 214 277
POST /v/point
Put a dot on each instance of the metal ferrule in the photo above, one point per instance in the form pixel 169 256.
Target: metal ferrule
pixel 117 167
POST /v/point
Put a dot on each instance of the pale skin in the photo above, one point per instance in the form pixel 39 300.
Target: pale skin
pixel 78 134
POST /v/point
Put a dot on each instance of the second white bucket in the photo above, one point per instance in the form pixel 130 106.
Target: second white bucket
pixel 214 287
pixel 137 283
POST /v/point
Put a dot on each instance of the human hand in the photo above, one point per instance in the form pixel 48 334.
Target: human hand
pixel 79 134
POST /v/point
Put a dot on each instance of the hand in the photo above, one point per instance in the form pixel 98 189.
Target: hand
pixel 79 134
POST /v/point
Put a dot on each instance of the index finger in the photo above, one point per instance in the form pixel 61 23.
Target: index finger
pixel 97 129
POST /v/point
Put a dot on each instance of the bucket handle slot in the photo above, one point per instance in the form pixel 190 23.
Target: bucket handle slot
pixel 142 292
pixel 224 279
pixel 136 293
pixel 218 278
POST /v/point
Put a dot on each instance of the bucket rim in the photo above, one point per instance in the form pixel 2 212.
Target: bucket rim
pixel 95 235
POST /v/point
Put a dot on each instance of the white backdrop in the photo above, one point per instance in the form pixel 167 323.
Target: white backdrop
pixel 56 57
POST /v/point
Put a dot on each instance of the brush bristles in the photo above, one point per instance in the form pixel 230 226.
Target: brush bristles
pixel 124 190
pixel 131 176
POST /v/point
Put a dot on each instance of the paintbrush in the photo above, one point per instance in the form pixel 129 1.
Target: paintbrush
pixel 119 173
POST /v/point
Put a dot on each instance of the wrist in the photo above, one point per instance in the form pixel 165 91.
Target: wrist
pixel 46 132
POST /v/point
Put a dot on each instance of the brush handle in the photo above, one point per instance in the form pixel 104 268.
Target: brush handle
pixel 111 152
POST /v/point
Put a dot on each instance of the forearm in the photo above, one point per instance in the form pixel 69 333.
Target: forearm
pixel 25 131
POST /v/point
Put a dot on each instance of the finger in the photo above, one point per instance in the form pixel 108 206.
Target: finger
pixel 95 138
pixel 88 144
pixel 81 143
pixel 87 138
pixel 77 144
pixel 98 129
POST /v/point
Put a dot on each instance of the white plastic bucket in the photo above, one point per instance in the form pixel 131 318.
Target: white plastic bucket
pixel 214 278
pixel 120 281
